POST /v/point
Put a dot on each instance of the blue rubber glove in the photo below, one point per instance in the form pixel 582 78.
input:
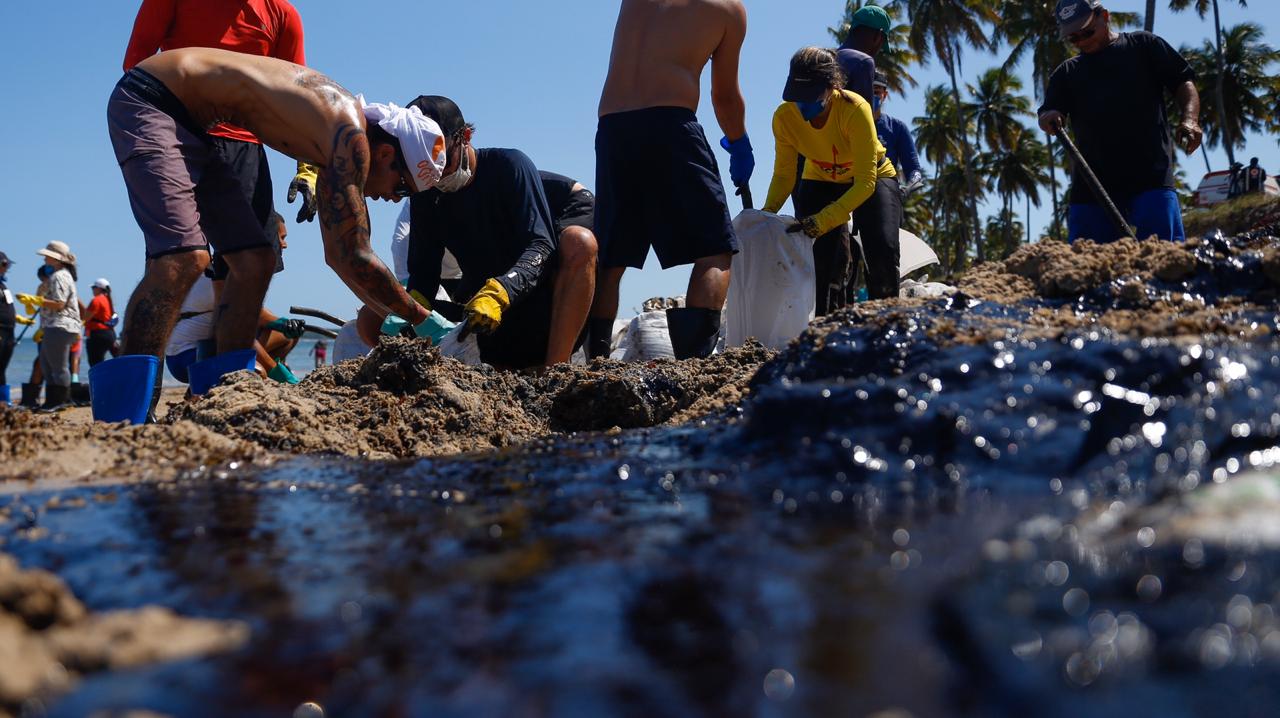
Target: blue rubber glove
pixel 742 161
pixel 282 374
pixel 434 328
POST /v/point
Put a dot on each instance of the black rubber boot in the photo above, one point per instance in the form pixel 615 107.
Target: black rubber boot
pixel 599 337
pixel 694 331
pixel 30 396
pixel 56 398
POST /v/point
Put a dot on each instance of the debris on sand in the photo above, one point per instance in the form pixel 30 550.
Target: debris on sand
pixel 405 400
pixel 40 446
pixel 48 639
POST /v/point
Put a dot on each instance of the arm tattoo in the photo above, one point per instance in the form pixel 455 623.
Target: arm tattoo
pixel 344 225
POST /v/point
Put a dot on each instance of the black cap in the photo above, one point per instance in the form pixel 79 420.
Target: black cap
pixel 881 79
pixel 804 84
pixel 444 111
pixel 1073 15
pixel 4 259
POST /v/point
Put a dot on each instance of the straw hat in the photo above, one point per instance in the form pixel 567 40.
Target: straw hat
pixel 59 251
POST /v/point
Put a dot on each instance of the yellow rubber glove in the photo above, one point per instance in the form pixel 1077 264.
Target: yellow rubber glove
pixel 32 302
pixel 420 299
pixel 304 181
pixel 38 336
pixel 26 322
pixel 484 311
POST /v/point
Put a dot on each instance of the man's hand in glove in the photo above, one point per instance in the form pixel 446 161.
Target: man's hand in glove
pixel 915 182
pixel 808 225
pixel 290 328
pixel 24 321
pixel 484 311
pixel 742 160
pixel 304 182
pixel 282 374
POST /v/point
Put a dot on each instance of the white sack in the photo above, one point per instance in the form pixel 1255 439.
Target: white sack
pixel 771 287
pixel 647 338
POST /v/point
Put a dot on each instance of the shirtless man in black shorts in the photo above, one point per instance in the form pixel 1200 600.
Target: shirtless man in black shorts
pixel 657 180
pixel 186 199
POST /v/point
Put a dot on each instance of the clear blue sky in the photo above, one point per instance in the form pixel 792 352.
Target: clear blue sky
pixel 527 73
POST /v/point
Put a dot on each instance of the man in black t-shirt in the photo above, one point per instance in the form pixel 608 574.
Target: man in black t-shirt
pixel 529 271
pixel 1113 93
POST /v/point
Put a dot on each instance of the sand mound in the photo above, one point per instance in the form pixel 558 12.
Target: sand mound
pixel 1055 270
pixel 41 446
pixel 404 400
pixel 48 639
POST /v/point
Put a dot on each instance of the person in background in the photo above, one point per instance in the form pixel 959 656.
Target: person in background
pixel 9 318
pixel 868 32
pixel 846 174
pixel 896 138
pixel 1115 95
pixel 31 388
pixel 60 320
pixel 1255 178
pixel 100 323
pixel 320 351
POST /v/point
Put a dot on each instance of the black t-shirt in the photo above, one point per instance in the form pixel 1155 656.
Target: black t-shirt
pixel 7 310
pixel 500 226
pixel 558 189
pixel 1254 178
pixel 1116 103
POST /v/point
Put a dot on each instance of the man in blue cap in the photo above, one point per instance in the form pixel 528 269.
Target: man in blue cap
pixel 1114 94
pixel 868 32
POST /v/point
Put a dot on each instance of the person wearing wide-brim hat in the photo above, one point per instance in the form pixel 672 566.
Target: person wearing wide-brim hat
pixel 60 320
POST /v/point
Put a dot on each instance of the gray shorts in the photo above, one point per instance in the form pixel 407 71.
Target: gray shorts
pixel 183 192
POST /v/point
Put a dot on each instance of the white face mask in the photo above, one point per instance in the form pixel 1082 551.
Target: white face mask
pixel 460 177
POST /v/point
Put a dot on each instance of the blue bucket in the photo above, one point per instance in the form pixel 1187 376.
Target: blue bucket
pixel 120 389
pixel 204 375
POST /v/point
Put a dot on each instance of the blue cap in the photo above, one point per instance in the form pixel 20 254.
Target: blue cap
pixel 1072 15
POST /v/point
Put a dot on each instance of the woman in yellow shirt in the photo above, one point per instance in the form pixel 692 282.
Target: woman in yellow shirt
pixel 845 174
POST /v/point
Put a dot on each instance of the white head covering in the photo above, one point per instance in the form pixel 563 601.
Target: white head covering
pixel 421 139
pixel 101 283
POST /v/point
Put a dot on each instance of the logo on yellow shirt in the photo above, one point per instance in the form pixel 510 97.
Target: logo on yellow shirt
pixel 835 168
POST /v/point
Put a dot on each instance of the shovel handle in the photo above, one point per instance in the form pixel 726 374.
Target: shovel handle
pixel 1096 185
pixel 744 191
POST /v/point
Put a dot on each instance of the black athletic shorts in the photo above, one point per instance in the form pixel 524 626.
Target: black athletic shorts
pixel 249 162
pixel 579 211
pixel 658 185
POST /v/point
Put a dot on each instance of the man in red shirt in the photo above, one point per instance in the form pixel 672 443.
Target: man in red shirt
pixel 267 28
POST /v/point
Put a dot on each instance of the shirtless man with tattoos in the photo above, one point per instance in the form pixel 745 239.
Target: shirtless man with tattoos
pixel 186 199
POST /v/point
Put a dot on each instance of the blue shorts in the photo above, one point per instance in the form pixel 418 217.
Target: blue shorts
pixel 658 184
pixel 1155 212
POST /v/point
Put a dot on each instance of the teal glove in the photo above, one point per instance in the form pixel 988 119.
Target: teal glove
pixel 290 328
pixel 282 374
pixel 434 328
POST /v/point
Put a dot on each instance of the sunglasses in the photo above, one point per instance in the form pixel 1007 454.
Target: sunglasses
pixel 1086 32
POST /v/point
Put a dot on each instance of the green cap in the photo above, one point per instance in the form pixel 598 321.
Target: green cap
pixel 872 16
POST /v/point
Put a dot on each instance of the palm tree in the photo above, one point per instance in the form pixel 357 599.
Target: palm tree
pixel 997 109
pixel 1244 85
pixel 1202 8
pixel 937 28
pixel 1000 230
pixel 1020 169
pixel 1030 28
pixel 896 55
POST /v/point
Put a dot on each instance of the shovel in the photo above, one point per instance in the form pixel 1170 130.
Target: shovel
pixel 744 191
pixel 1095 185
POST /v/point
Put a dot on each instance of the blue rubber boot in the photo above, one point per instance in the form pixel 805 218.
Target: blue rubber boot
pixel 205 375
pixel 120 389
pixel 4 394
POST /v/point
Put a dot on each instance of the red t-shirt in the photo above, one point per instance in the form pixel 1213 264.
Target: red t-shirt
pixel 268 28
pixel 99 313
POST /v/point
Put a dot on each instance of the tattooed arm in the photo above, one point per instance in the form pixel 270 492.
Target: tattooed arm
pixel 344 227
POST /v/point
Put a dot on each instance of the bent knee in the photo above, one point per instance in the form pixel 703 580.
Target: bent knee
pixel 578 247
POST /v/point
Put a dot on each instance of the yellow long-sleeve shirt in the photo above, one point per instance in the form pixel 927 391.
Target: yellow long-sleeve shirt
pixel 844 151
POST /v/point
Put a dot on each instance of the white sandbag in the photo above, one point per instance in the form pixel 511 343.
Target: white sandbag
pixel 647 338
pixel 466 351
pixel 348 344
pixel 618 344
pixel 924 290
pixel 771 288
